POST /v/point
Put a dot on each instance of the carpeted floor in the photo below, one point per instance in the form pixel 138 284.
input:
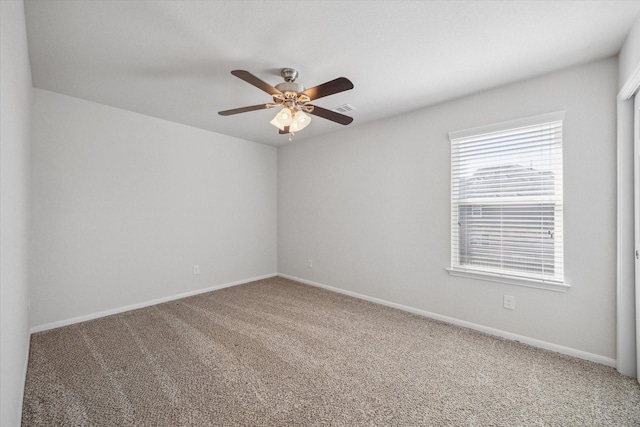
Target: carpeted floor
pixel 275 352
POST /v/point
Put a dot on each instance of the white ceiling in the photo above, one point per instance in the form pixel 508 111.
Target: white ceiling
pixel 172 59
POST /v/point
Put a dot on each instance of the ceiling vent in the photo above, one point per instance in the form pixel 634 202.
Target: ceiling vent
pixel 344 108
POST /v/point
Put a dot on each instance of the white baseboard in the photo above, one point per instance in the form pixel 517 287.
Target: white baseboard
pixel 109 312
pixel 487 330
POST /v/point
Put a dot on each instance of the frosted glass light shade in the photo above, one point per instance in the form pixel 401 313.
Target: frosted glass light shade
pixel 300 121
pixel 276 123
pixel 284 117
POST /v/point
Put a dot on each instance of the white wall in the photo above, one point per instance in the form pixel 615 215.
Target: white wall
pixel 15 105
pixel 370 207
pixel 125 204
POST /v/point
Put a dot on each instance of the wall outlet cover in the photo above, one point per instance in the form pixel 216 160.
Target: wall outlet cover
pixel 509 302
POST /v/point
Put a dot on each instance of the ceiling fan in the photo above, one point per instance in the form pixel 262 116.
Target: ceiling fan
pixel 294 100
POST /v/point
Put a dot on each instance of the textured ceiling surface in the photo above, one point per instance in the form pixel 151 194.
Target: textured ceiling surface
pixel 172 59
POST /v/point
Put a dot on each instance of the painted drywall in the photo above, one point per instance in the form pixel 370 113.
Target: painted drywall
pixel 629 57
pixel 124 205
pixel 15 107
pixel 370 207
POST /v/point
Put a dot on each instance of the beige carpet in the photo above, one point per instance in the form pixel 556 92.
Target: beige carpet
pixel 275 352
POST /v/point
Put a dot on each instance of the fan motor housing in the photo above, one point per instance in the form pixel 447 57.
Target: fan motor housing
pixel 290 87
pixel 289 75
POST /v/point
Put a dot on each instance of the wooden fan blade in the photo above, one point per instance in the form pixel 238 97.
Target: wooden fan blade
pixel 244 109
pixel 331 115
pixel 285 131
pixel 253 80
pixel 329 88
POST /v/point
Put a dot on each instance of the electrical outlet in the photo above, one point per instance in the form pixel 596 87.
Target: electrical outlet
pixel 196 269
pixel 509 302
pixel 309 263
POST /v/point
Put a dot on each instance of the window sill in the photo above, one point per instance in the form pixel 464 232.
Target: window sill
pixel 530 283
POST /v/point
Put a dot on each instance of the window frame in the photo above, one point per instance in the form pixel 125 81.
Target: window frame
pixel 520 278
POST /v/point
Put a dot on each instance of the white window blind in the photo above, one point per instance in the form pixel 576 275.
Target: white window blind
pixel 506 199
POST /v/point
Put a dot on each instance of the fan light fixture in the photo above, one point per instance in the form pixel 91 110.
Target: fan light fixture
pixel 294 120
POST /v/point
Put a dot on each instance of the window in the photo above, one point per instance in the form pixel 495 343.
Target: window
pixel 506 202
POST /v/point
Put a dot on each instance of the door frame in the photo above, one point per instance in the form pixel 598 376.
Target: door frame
pixel 636 219
pixel 626 359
